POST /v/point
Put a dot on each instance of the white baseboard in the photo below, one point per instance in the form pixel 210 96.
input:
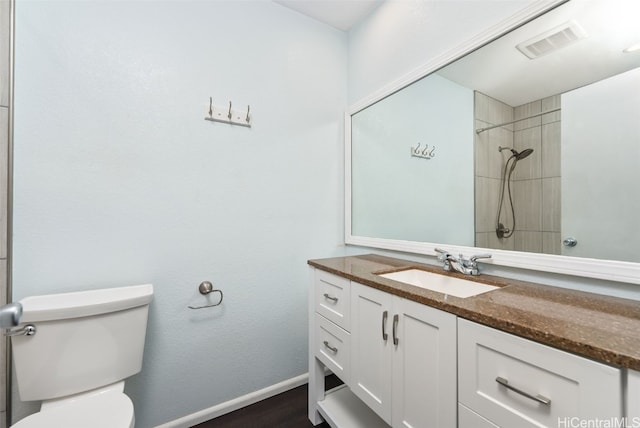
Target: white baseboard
pixel 236 403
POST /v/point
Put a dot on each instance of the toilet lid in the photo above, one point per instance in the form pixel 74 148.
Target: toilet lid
pixel 109 410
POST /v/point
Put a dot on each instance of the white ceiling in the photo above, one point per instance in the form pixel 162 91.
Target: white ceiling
pixel 340 14
pixel 501 71
pixel 504 73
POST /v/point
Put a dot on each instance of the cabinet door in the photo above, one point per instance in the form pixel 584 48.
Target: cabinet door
pixel 470 419
pixel 371 352
pixel 633 395
pixel 424 366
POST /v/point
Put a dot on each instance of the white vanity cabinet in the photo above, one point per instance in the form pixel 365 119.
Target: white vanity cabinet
pixel 508 381
pixel 406 364
pixel 411 383
pixel 403 359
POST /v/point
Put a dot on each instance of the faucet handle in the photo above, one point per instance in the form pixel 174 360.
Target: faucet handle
pixel 480 256
pixel 443 254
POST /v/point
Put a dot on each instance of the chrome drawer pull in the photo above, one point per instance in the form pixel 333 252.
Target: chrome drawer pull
pixel 326 296
pixel 385 314
pixel 330 348
pixel 539 398
pixel 395 329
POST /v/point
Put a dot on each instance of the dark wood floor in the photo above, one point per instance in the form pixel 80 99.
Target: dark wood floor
pixel 286 410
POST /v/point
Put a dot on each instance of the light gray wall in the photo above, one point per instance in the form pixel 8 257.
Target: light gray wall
pixel 119 179
pixel 400 36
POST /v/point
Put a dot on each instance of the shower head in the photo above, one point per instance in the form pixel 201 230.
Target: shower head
pixel 521 155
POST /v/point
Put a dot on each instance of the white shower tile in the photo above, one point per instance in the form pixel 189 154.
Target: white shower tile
pixel 492 111
pixel 499 244
pixel 489 161
pixel 551 150
pixel 527 197
pixel 525 111
pixel 528 241
pixel 482 239
pixel 551 243
pixel 551 204
pixel 486 197
pixel 529 167
pixel 551 103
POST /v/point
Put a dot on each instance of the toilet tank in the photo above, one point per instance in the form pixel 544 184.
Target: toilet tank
pixel 83 340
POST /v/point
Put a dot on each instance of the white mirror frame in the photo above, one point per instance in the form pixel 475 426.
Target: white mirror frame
pixel 610 270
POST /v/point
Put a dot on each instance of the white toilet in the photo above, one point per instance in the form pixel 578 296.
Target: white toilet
pixel 85 345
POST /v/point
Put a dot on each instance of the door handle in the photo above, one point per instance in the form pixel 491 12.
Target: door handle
pixel 395 329
pixel 328 297
pixel 385 314
pixel 539 398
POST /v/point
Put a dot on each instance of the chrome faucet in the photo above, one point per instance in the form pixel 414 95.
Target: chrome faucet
pixel 460 264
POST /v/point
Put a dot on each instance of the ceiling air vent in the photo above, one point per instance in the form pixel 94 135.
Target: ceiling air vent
pixel 552 40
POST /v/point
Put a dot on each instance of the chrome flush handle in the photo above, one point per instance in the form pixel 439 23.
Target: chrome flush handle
pixel 27 330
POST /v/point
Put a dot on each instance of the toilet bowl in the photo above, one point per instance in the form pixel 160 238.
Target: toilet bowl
pixel 85 344
pixel 105 409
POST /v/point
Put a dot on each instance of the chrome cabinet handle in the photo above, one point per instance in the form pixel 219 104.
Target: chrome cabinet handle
pixel 385 314
pixel 330 348
pixel 539 398
pixel 326 296
pixel 395 330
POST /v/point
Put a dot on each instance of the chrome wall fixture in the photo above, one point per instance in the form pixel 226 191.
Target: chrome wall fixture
pixel 425 153
pixel 206 288
pixel 228 115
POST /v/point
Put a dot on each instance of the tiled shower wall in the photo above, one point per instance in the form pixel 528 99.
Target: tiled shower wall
pixel 535 181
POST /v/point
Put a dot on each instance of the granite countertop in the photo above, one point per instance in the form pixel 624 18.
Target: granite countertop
pixel 606 329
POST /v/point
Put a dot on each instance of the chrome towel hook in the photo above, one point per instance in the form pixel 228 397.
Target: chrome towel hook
pixel 205 288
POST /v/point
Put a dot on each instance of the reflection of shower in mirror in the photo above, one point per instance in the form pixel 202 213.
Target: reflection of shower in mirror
pixel 503 231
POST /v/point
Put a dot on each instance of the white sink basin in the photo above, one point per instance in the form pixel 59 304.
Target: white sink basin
pixel 441 283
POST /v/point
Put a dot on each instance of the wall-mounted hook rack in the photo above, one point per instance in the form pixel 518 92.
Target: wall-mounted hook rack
pixel 425 153
pixel 229 115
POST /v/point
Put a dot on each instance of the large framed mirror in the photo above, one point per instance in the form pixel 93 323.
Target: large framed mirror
pixel 524 143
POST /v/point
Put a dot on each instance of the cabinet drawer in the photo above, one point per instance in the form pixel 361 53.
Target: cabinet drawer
pixel 513 381
pixel 332 347
pixel 332 298
pixel 470 419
